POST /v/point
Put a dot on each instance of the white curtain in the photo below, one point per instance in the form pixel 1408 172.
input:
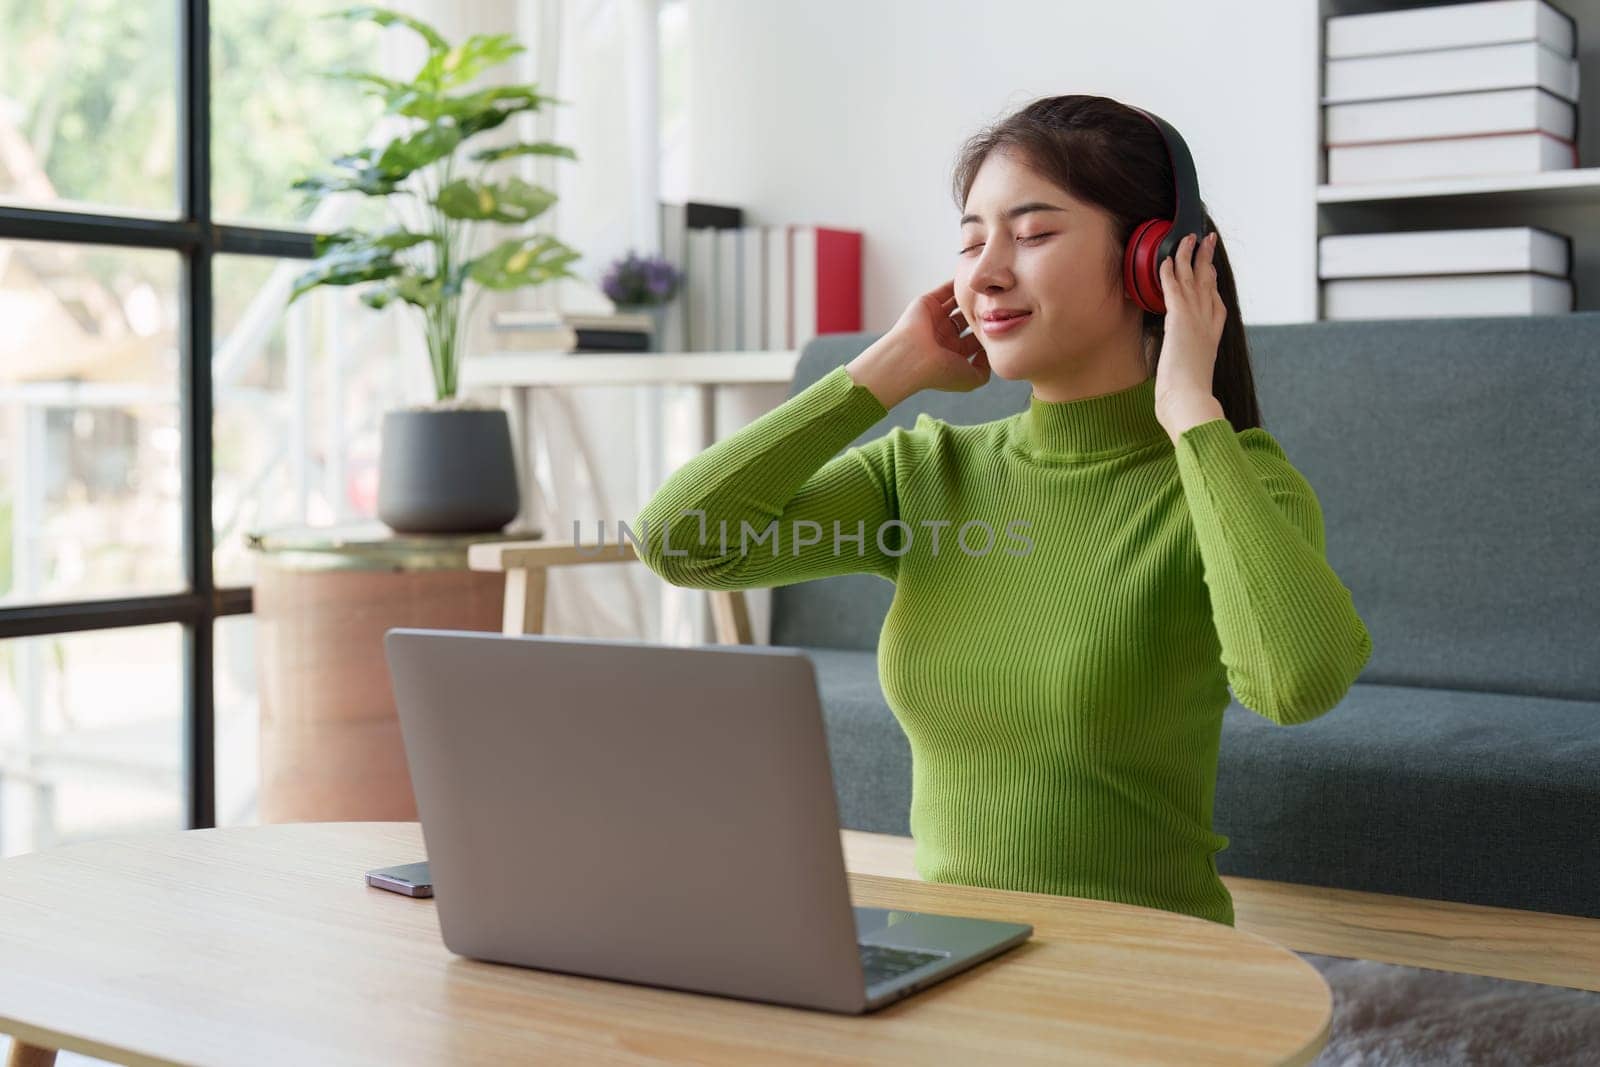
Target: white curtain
pixel 598 452
pixel 601 451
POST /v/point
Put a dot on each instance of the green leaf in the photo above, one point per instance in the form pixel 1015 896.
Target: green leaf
pixel 413 289
pixel 405 155
pixel 361 174
pixel 347 267
pixel 521 261
pixel 502 100
pixel 393 240
pixel 511 201
pixel 540 148
pixel 385 17
pixel 378 297
pixel 377 83
pixel 464 62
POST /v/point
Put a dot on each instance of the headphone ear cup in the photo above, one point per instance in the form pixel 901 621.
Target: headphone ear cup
pixel 1141 269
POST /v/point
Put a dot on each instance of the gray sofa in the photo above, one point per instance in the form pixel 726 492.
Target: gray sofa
pixel 1455 461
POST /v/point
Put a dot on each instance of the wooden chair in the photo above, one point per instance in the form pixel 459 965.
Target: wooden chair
pixel 525 564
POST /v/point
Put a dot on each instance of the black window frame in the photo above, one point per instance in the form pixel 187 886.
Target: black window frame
pixel 197 240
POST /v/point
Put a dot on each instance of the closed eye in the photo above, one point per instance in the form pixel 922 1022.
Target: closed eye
pixel 1034 238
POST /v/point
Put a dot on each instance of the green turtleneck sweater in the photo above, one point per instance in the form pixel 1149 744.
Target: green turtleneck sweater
pixel 1062 681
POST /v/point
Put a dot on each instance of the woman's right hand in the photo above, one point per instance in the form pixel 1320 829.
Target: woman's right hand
pixel 923 350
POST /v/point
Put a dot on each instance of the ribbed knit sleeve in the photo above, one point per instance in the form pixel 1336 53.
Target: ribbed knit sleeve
pixel 774 503
pixel 1292 643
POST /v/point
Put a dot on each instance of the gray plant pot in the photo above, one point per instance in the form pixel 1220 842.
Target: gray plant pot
pixel 447 471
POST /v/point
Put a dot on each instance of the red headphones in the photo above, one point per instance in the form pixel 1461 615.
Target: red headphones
pixel 1154 240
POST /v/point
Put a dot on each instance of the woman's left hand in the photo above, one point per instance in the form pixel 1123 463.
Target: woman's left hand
pixel 1195 316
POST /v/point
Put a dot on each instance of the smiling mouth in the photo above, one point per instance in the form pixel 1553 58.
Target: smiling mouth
pixel 1008 323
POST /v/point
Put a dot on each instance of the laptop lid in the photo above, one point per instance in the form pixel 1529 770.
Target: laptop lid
pixel 650 813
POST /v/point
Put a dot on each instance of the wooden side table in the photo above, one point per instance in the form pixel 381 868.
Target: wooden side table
pixel 330 740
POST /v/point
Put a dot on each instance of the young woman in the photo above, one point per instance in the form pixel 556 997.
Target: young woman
pixel 1076 585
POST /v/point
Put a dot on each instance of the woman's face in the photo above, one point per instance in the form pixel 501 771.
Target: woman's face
pixel 1060 265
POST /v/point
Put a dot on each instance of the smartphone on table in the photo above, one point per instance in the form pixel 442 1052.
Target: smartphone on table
pixel 409 879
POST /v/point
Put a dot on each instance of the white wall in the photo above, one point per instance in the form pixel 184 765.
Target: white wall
pixel 850 113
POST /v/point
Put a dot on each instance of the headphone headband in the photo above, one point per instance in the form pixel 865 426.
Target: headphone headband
pixel 1191 213
pixel 1156 240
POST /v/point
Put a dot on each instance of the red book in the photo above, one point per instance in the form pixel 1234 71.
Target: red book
pixel 827 282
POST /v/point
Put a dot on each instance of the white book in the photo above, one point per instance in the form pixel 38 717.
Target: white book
pixel 1454 70
pixel 701 267
pixel 1460 295
pixel 674 238
pixel 1451 157
pixel 535 320
pixel 560 339
pixel 729 267
pixel 1451 115
pixel 1496 250
pixel 779 318
pixel 1451 26
pixel 753 278
pixel 804 284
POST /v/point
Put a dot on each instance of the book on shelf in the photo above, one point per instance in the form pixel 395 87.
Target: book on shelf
pixel 730 271
pixel 699 274
pixel 566 331
pixel 688 324
pixel 1451 70
pixel 572 342
pixel 560 340
pixel 753 294
pixel 1449 157
pixel 754 287
pixel 612 341
pixel 1451 26
pixel 536 319
pixel 779 320
pixel 825 281
pixel 1496 250
pixel 1421 118
pixel 1454 295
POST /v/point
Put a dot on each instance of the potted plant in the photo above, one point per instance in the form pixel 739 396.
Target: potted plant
pixel 644 285
pixel 445 466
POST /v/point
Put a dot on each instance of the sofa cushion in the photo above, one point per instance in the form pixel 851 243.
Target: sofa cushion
pixel 869 752
pixel 1481 798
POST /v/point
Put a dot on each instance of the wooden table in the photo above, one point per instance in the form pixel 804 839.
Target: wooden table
pixel 264 945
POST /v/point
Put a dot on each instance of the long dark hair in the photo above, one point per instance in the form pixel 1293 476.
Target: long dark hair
pixel 1107 154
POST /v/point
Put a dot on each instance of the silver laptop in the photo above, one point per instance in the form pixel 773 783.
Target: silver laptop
pixel 652 814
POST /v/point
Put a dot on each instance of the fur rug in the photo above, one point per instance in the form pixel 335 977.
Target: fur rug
pixel 1386 1015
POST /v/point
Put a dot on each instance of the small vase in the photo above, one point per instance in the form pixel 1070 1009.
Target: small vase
pixel 447 470
pixel 658 321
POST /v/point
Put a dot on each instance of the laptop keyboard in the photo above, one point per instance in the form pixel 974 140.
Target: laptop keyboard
pixel 880 962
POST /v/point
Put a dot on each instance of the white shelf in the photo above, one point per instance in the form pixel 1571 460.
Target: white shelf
pixel 629 368
pixel 1576 186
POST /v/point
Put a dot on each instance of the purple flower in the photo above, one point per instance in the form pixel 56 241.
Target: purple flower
pixel 633 280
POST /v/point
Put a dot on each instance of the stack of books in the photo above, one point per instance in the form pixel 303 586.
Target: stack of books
pixel 1515 270
pixel 1452 91
pixel 566 331
pixel 756 288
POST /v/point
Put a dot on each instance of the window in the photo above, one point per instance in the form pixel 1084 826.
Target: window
pixel 151 383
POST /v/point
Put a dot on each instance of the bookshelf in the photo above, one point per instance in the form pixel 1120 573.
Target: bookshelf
pixel 1566 201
